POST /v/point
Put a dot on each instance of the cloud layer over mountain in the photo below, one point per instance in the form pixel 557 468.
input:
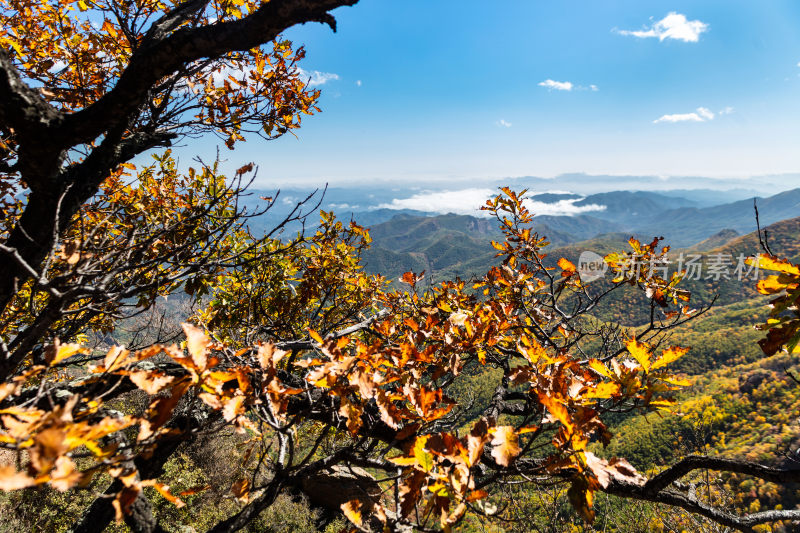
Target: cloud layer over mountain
pixel 469 201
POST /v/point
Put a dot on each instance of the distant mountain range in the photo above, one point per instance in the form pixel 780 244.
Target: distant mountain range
pixel 433 237
pixel 448 245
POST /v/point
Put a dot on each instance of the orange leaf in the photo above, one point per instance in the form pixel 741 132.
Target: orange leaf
pixel 476 495
pixel 197 342
pixel 241 489
pixel 64 476
pixel 233 408
pixel 150 382
pixel 558 410
pixel 352 510
pixel 10 479
pixel 506 445
pixel 116 357
pixel 269 355
pixel 567 266
pixel 314 335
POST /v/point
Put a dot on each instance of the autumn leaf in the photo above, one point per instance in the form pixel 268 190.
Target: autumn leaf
pixel 123 500
pixel 668 356
pixel 771 262
pixel 197 343
pixel 558 410
pixel 602 390
pixel 568 269
pixel 476 495
pixel 269 355
pixel 241 489
pixel 314 335
pixel 581 496
pixel 410 492
pixel 58 352
pixel 352 510
pixel 161 408
pixel 640 352
pixel 116 357
pixel 150 382
pixel 64 476
pixel 600 368
pixel 352 413
pixel 505 444
pixel 165 492
pixel 423 457
pixel 233 408
pixel 10 479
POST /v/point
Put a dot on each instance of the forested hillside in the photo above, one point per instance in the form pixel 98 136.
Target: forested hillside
pixel 181 351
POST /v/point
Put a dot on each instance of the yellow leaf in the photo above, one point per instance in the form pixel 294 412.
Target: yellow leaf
pixel 352 510
pixel 600 368
pixel 672 380
pixel 402 460
pixel 58 352
pixel 424 458
pixel 640 352
pixel 603 390
pixel 770 285
pixel 668 356
pixel 770 262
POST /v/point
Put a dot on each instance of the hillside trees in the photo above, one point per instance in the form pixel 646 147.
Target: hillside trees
pixel 338 388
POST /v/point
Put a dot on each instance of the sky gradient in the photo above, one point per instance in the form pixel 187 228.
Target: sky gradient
pixel 417 90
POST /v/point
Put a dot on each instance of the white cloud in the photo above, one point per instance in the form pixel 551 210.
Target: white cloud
pixel 705 113
pixel 469 201
pixel 59 65
pixel 358 83
pixel 315 77
pixel 702 114
pixel 557 85
pixel 566 86
pixel 562 207
pixel 503 123
pixel 673 26
pixel 726 111
pixel 679 117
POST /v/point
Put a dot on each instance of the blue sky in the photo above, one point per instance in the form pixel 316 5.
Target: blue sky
pixel 416 90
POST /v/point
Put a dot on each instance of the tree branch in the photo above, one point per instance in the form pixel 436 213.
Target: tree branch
pixel 719 464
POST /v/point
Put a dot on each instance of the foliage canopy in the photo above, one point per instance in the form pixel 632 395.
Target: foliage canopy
pixel 327 377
